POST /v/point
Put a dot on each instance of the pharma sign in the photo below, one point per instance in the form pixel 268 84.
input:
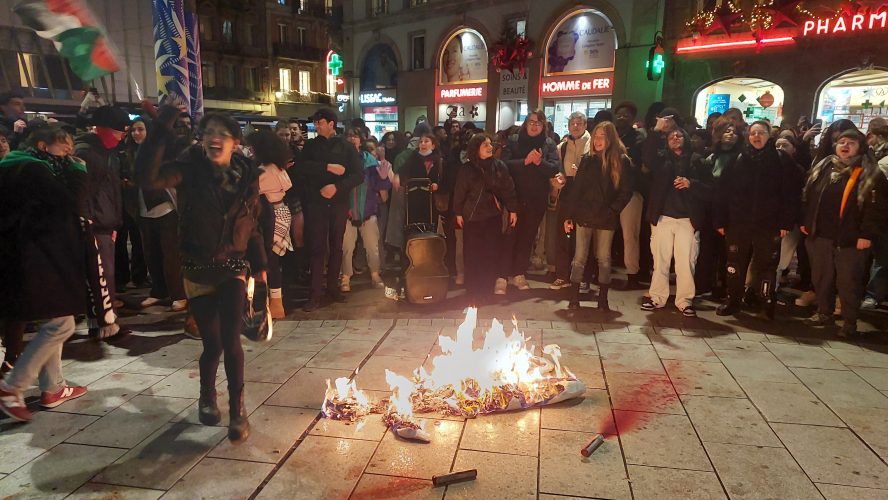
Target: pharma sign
pixel 583 42
pixel 463 58
pixel 577 85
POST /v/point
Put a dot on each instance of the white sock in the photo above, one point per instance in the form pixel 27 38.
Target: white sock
pixel 275 293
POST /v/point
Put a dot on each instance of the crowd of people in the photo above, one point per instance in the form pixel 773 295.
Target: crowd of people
pixel 194 214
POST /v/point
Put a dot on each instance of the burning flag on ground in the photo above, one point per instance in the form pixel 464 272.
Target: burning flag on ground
pixel 505 374
pixel 77 35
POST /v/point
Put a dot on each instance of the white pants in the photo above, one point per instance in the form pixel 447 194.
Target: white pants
pixel 674 238
pixel 788 246
pixel 370 236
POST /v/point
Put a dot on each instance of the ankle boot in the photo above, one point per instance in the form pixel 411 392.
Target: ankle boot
pixel 602 298
pixel 207 410
pixel 276 305
pixel 574 296
pixel 238 425
pixel 730 307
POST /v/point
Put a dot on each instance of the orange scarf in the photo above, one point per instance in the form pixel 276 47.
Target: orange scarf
pixel 852 181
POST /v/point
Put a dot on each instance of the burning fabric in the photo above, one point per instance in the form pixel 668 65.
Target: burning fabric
pixel 504 374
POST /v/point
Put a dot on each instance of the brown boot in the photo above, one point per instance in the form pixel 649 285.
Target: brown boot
pixel 276 304
pixel 238 425
pixel 207 410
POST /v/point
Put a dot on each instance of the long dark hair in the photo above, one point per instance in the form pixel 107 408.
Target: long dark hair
pixel 269 148
pixel 474 146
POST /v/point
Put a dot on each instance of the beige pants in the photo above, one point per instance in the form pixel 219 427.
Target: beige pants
pixel 370 236
pixel 630 221
pixel 674 238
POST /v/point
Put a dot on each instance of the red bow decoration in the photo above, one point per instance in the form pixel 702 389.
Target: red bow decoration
pixel 511 53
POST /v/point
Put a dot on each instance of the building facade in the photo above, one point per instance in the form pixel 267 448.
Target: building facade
pixel 823 61
pixel 32 65
pixel 409 59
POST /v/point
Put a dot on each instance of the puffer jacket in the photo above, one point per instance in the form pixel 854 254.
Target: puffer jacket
pixel 104 198
pixel 483 189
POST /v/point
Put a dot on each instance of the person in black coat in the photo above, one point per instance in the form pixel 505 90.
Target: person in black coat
pixel 327 171
pixel 99 151
pixel 42 261
pixel 533 161
pixel 846 208
pixel 680 186
pixel 631 216
pixel 219 243
pixel 758 203
pixel 486 208
pixel 600 192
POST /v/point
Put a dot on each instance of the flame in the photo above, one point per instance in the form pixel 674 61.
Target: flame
pixel 505 373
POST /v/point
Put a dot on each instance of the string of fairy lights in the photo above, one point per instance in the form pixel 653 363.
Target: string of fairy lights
pixel 724 15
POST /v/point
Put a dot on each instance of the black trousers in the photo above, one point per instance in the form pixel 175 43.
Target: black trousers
pixel 712 262
pixel 129 267
pixel 564 256
pixel 219 317
pixel 524 236
pixel 760 246
pixel 160 239
pixel 483 246
pixel 834 268
pixel 13 339
pixel 324 230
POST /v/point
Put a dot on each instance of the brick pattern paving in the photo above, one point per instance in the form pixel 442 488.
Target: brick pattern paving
pixel 687 413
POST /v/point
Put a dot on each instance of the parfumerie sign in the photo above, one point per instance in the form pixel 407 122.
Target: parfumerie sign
pixel 578 85
pixel 463 93
pixel 842 24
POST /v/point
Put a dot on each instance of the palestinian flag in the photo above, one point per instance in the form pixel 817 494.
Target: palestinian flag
pixel 77 35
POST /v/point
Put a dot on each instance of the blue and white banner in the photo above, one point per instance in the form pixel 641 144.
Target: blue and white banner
pixel 170 51
pixel 195 78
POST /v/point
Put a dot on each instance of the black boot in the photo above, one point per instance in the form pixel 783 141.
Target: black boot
pixel 730 307
pixel 238 425
pixel 768 309
pixel 602 298
pixel 207 410
pixel 574 303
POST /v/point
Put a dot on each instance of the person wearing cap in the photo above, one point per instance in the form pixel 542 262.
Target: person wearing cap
pixel 757 203
pixel 98 150
pixel 329 168
pixel 846 208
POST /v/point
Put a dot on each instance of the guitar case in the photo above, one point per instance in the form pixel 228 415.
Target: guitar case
pixel 426 278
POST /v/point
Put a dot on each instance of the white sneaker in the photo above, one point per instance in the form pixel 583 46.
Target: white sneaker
pixel 500 288
pixel 519 282
pixel 806 299
pixel 558 284
pixel 179 305
pixel 345 286
pixel 151 301
pixel 585 287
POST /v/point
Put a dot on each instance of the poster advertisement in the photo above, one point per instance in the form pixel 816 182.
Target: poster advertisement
pixel 464 59
pixel 718 103
pixel 584 42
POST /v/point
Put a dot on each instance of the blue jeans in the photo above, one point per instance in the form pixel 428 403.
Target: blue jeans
pixel 599 239
pixel 877 288
pixel 42 359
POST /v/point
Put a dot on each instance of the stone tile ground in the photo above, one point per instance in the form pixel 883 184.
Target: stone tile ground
pixel 702 408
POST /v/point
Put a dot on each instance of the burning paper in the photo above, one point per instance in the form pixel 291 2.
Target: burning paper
pixel 504 374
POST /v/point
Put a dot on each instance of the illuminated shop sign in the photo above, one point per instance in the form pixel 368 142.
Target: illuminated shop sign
pixel 841 24
pixel 342 98
pixel 377 97
pixel 577 85
pixel 462 93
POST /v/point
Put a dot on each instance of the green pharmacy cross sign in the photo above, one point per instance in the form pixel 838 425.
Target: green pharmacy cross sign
pixel 334 64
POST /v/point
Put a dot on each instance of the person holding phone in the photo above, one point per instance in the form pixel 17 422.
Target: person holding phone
pixel 532 159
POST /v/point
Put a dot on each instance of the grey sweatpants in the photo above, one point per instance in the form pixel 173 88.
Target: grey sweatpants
pixel 846 267
pixel 42 358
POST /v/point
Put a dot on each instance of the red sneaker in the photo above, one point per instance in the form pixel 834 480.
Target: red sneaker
pixel 51 400
pixel 13 405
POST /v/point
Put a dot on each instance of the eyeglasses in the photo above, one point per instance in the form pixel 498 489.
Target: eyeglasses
pixel 534 123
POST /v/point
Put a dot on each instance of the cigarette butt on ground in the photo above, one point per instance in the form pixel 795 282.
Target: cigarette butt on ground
pixel 593 445
pixel 455 477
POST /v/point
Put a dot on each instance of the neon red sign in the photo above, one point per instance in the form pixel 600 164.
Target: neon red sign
pixel 462 93
pixel 838 25
pixel 577 85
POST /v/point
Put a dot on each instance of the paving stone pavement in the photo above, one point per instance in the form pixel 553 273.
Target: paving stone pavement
pixel 702 408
